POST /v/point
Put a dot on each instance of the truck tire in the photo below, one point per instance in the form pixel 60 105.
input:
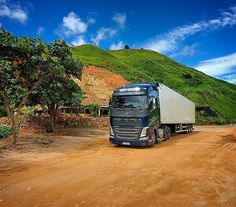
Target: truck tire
pixel 153 138
pixel 167 132
pixel 191 128
pixel 188 130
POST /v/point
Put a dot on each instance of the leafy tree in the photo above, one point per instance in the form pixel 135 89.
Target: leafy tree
pixel 60 89
pixel 25 64
pixel 55 92
pixel 22 70
pixel 126 47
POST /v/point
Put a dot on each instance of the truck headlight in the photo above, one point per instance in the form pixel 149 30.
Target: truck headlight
pixel 144 132
pixel 111 131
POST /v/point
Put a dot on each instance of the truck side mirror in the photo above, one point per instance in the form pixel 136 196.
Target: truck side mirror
pixel 110 102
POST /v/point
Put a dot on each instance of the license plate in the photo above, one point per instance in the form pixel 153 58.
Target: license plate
pixel 126 143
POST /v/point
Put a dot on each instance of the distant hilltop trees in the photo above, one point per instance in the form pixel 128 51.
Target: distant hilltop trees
pixel 126 47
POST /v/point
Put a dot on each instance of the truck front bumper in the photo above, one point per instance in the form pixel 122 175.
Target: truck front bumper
pixel 129 142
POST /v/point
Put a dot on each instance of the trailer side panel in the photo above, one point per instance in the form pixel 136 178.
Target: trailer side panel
pixel 175 108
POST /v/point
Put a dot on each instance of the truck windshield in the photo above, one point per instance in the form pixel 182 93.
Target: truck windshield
pixel 129 101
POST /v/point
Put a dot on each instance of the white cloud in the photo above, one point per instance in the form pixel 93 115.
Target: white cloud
pixel 40 31
pixel 188 50
pixel 230 78
pixel 13 11
pixel 120 19
pixel 103 33
pixel 170 41
pixel 91 21
pixel 117 46
pixel 78 41
pixel 220 66
pixel 72 25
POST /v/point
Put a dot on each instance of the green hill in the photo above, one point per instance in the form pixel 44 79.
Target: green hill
pixel 215 99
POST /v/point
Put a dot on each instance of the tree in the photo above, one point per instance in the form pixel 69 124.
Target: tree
pixel 21 71
pixel 59 89
pixel 25 64
pixel 126 47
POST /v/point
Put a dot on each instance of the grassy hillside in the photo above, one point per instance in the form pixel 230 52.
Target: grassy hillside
pixel 215 99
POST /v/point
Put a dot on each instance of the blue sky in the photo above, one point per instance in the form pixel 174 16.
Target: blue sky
pixel 199 34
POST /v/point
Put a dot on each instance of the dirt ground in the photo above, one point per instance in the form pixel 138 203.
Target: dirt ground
pixel 78 167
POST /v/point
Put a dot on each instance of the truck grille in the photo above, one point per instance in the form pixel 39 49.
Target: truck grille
pixel 126 133
pixel 128 122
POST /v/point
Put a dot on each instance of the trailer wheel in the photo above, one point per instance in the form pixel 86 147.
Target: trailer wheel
pixel 167 132
pixel 191 128
pixel 188 130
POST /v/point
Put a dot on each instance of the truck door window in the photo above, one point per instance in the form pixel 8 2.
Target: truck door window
pixel 152 103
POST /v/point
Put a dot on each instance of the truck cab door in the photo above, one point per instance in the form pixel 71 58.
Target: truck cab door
pixel 153 117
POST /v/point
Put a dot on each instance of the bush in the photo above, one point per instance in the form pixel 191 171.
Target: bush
pixel 93 109
pixel 3 111
pixel 5 131
pixel 27 110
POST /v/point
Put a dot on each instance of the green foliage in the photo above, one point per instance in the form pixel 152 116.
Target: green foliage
pixel 29 66
pixel 21 66
pixel 93 108
pixel 3 111
pixel 5 131
pixel 59 89
pixel 127 47
pixel 148 66
pixel 27 110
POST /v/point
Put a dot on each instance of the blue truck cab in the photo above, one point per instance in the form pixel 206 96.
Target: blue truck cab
pixel 135 115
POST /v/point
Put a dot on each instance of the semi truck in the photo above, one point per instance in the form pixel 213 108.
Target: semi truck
pixel 143 114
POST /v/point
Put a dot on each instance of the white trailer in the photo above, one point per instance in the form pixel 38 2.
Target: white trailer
pixel 175 110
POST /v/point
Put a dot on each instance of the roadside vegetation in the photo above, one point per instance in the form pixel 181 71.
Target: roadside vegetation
pixel 5 131
pixel 215 99
pixel 33 72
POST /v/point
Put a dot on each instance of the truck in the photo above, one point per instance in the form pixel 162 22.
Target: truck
pixel 143 114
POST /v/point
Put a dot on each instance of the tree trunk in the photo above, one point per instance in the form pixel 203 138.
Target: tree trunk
pixel 53 109
pixel 14 131
pixel 14 128
pixel 14 119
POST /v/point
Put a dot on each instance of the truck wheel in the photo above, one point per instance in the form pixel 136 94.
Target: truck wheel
pixel 191 128
pixel 153 138
pixel 188 129
pixel 167 133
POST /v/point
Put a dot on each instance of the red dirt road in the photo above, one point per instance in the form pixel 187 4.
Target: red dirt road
pixel 82 169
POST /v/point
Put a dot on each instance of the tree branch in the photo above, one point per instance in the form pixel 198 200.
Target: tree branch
pixel 35 85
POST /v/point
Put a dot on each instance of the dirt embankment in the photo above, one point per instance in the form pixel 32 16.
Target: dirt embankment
pixel 98 84
pixel 81 168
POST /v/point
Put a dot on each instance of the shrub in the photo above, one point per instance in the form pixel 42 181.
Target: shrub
pixel 93 109
pixel 126 47
pixel 27 110
pixel 3 111
pixel 5 131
